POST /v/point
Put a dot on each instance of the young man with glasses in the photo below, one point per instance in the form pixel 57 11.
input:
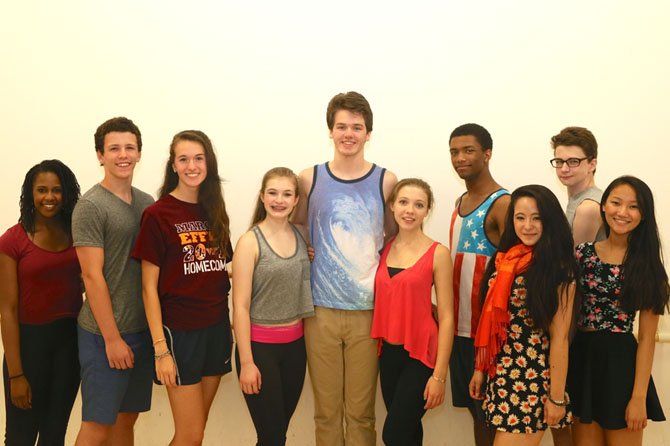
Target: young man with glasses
pixel 575 160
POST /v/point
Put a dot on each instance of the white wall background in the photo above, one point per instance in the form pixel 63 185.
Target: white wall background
pixel 256 76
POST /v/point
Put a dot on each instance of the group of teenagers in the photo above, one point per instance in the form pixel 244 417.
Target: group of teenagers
pixel 530 309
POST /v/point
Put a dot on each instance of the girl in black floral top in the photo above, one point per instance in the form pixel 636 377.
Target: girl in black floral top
pixel 610 374
pixel 527 360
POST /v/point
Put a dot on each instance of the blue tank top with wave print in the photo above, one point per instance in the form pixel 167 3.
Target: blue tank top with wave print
pixel 346 223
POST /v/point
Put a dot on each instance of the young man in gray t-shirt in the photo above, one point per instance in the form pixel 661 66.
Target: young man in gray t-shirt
pixel 115 349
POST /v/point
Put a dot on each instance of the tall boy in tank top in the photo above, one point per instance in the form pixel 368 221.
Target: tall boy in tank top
pixel 575 160
pixel 476 226
pixel 343 203
pixel 115 350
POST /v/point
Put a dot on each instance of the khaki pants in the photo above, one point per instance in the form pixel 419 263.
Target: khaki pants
pixel 342 363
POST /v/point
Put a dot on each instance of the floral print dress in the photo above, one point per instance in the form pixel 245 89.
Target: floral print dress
pixel 515 396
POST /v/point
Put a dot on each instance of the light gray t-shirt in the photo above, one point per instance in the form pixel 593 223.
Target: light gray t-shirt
pixel 103 220
pixel 592 193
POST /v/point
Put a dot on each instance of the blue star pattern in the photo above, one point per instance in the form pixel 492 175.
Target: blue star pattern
pixel 474 241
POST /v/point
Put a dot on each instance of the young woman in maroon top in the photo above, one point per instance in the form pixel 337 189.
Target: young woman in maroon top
pixel 414 347
pixel 184 246
pixel 40 298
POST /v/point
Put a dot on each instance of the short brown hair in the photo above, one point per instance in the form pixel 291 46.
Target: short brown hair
pixel 577 136
pixel 350 101
pixel 118 124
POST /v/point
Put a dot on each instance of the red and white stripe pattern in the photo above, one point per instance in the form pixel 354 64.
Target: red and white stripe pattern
pixel 470 251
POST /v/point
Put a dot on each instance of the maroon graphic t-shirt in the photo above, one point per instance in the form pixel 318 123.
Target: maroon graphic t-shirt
pixel 193 284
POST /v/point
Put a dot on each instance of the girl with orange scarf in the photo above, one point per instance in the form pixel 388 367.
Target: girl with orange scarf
pixel 522 337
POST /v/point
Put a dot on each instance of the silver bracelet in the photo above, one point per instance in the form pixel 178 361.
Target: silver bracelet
pixel 162 355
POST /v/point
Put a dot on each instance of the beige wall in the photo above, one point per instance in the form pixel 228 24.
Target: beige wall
pixel 256 76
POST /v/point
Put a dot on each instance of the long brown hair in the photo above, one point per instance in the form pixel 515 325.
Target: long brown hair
pixel 278 172
pixel 210 196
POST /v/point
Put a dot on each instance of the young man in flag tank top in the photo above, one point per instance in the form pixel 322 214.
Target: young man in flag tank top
pixel 343 204
pixel 476 226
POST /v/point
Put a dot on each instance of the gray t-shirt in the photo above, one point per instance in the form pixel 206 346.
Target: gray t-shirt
pixel 591 193
pixel 103 220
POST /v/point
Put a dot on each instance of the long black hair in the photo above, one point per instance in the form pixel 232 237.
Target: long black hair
pixel 645 281
pixel 553 263
pixel 69 185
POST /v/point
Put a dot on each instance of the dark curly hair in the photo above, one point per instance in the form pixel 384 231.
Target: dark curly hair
pixel 71 194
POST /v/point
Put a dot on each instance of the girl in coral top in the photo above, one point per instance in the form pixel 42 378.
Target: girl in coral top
pixel 414 347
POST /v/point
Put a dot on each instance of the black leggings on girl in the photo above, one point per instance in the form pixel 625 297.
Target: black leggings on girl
pixel 403 380
pixel 282 368
pixel 50 359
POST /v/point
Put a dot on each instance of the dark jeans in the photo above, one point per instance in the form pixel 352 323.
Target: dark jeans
pixel 403 380
pixel 50 364
pixel 282 368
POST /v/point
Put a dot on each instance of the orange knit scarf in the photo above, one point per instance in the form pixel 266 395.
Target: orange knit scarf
pixel 492 328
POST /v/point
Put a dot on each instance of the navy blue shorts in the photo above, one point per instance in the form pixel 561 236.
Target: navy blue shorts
pixel 202 352
pixel 105 391
pixel 461 368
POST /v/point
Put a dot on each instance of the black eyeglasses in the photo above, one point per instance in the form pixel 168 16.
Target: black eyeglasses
pixel 571 162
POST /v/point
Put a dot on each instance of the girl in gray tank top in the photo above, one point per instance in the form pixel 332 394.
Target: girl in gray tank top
pixel 271 297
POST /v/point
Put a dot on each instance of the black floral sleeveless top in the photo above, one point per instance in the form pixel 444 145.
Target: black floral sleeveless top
pixel 601 285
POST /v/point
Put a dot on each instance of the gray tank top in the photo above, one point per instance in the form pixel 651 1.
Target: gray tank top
pixel 591 193
pixel 281 290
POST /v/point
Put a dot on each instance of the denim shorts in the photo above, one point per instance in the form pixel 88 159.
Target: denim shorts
pixel 201 352
pixel 106 391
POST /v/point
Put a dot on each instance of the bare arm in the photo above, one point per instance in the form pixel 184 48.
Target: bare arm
pixel 92 260
pixel 559 332
pixel 165 368
pixel 442 279
pixel 587 222
pixel 244 261
pixel 390 225
pixel 636 411
pixel 495 221
pixel 20 391
pixel 299 217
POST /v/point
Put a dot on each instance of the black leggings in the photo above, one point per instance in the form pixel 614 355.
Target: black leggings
pixel 282 368
pixel 403 380
pixel 50 360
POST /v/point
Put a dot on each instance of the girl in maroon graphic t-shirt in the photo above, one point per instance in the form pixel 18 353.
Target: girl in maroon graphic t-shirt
pixel 184 246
